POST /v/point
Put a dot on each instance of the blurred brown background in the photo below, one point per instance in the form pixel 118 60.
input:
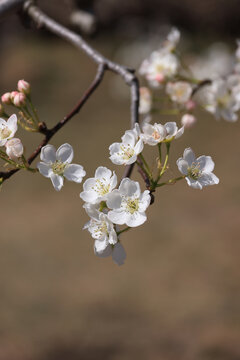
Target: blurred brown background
pixel 177 296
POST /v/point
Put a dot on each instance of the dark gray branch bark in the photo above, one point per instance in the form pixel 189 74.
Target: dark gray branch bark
pixel 42 20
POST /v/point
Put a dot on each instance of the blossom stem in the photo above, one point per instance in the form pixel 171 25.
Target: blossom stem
pixel 171 182
pixel 122 231
pixel 147 169
pixel 8 160
pixel 166 160
pixel 33 109
pixel 31 117
pixel 160 152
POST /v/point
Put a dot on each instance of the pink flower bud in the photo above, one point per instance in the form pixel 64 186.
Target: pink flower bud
pixel 160 78
pixel 14 148
pixel 19 99
pixel 190 105
pixel 13 94
pixel 24 87
pixel 188 120
pixel 6 98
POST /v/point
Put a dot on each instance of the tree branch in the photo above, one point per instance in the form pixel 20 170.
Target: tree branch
pixel 42 20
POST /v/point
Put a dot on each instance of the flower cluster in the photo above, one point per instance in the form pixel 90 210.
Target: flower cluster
pixel 166 72
pixel 114 208
pixel 109 207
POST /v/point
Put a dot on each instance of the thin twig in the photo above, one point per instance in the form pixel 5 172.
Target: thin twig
pixel 49 133
pixel 44 21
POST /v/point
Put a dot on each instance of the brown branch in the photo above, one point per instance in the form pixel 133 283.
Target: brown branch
pixel 49 133
pixel 44 21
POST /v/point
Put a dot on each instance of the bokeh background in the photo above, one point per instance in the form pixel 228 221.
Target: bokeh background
pixel 177 296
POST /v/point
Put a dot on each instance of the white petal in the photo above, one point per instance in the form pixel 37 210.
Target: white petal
pixel 129 138
pixel 206 163
pixel 12 124
pixel 74 172
pixel 89 197
pixel 115 147
pixel 208 179
pixel 105 253
pixel 117 160
pixel 48 154
pixel 129 187
pixel 114 199
pixel 103 172
pixel 57 181
pixel 113 181
pixel 89 184
pixel 136 219
pixel 65 153
pixel 45 169
pixel 179 132
pixel 119 254
pixel 3 142
pixel 131 160
pixel 171 128
pixel 145 200
pixel 118 217
pixel 138 147
pixel 189 156
pixel 92 211
pixel 195 184
pixel 112 237
pixel 182 166
pixel 100 246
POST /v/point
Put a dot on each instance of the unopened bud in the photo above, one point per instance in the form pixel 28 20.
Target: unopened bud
pixel 24 87
pixel 14 148
pixel 188 120
pixel 12 95
pixel 190 105
pixel 160 78
pixel 6 98
pixel 19 99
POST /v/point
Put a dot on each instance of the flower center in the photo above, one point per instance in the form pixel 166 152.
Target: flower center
pixel 223 101
pixel 194 171
pixel 99 229
pixel 58 167
pixel 101 188
pixel 156 135
pixel 5 133
pixel 132 205
pixel 127 152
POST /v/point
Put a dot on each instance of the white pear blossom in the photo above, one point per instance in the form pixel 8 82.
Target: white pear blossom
pixel 102 230
pixel 153 134
pixel 100 227
pixel 172 131
pixel 198 171
pixel 128 204
pixel 57 164
pixel 160 66
pixel 145 103
pixel 126 152
pixel 14 148
pixel 7 129
pixel 179 92
pixel 97 189
pixel 220 101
